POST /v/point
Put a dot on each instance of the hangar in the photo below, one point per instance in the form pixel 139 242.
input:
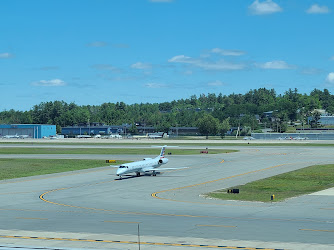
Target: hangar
pixel 28 130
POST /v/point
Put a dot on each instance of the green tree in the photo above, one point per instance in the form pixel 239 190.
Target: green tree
pixel 224 127
pixel 208 125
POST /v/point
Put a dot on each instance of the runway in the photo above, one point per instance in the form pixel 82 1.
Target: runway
pixel 90 209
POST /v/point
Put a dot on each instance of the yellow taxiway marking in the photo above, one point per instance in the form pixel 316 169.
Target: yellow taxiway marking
pixel 315 230
pixel 214 226
pixel 154 195
pixel 133 242
pixel 222 161
pixel 114 211
pixel 116 221
pixel 31 218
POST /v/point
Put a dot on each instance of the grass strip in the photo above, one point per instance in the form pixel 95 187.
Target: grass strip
pixel 111 151
pixel 283 186
pixel 16 168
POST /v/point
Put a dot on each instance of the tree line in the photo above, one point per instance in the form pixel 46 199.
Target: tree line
pixel 232 110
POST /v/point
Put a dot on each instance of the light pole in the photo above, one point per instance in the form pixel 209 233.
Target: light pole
pixel 138 238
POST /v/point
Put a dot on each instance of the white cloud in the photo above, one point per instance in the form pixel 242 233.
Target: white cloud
pixel 225 52
pixel 207 65
pixel 220 65
pixel 6 55
pixel 216 83
pixel 264 8
pixel 183 59
pixel 275 65
pixel 316 9
pixel 50 83
pixel 97 44
pixel 153 85
pixel 330 78
pixel 140 65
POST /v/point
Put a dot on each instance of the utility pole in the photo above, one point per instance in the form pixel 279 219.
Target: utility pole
pixel 138 238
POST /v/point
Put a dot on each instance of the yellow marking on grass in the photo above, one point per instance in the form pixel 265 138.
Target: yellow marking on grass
pixel 222 161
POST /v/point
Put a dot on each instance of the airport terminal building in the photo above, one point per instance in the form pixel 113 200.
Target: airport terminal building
pixel 27 130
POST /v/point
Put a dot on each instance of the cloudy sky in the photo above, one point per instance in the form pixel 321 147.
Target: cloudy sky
pixel 96 51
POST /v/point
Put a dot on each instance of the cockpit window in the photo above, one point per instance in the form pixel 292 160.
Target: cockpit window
pixel 123 166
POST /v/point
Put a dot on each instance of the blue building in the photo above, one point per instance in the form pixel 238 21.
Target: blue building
pixel 94 128
pixel 86 130
pixel 326 120
pixel 27 130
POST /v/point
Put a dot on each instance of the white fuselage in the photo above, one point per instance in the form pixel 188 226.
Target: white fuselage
pixel 143 166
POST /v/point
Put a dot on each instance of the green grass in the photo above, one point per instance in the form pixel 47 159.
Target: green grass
pixel 16 168
pixel 283 186
pixel 132 151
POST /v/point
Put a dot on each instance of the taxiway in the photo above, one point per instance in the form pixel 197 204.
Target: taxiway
pixel 91 209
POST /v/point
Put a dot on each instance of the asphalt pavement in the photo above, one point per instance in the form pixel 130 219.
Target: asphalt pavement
pixel 91 209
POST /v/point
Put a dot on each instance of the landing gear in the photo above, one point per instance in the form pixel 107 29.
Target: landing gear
pixel 137 174
pixel 154 173
pixel 120 177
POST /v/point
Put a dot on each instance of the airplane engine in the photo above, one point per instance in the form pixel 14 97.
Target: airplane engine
pixel 163 161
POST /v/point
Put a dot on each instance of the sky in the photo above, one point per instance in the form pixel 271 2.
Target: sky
pixel 136 51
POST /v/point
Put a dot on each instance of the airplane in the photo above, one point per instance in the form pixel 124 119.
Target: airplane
pixel 11 136
pixel 117 136
pixel 144 166
pixel 83 136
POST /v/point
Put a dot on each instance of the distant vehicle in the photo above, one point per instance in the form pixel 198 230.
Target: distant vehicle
pixel 24 136
pixel 249 138
pixel 280 138
pixel 97 136
pixel 147 165
pixel 52 137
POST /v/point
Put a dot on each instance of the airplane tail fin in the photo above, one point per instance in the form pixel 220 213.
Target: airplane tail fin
pixel 163 149
pixel 162 153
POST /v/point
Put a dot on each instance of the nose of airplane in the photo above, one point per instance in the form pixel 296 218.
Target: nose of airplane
pixel 120 171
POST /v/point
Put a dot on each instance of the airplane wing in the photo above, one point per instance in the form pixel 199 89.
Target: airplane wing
pixel 159 169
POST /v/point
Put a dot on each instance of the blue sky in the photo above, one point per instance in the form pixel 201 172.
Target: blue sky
pixel 138 51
